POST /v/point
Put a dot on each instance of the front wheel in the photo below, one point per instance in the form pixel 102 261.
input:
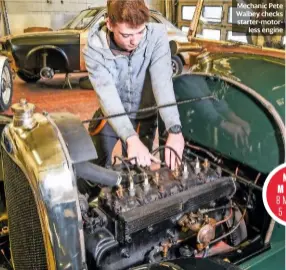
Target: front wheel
pixel 28 77
pixel 177 65
pixel 6 85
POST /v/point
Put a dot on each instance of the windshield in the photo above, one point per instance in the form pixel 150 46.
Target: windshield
pixel 82 20
pixel 223 20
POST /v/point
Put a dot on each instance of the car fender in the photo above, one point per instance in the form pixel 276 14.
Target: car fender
pixel 2 63
pixel 51 47
pixel 4 120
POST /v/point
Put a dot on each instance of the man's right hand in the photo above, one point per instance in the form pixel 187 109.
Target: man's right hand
pixel 135 148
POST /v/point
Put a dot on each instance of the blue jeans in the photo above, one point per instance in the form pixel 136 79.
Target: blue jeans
pixel 106 139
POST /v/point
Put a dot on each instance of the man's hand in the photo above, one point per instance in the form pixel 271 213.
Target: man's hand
pixel 135 148
pixel 236 131
pixel 177 142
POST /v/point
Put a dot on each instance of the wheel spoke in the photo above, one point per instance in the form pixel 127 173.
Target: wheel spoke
pixel 6 85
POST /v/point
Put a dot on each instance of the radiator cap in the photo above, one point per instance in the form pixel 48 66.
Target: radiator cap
pixel 23 114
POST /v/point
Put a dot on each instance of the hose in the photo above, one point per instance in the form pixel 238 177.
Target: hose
pixel 96 174
pixel 153 253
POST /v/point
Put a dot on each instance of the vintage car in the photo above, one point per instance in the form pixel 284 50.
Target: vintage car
pixel 64 212
pixel 41 55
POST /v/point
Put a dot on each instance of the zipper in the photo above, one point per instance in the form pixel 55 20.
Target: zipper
pixel 130 81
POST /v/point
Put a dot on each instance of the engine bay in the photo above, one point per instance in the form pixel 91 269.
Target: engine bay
pixel 199 210
pixel 210 207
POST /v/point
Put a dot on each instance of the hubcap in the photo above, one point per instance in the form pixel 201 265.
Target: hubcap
pixel 6 85
pixel 175 67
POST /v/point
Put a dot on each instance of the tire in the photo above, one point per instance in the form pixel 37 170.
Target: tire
pixel 6 91
pixel 28 77
pixel 177 65
pixel 85 83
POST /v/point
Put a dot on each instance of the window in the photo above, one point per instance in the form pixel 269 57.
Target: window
pixel 188 12
pixel 236 36
pixel 82 20
pixel 212 14
pixel 211 34
pixel 185 29
pixel 229 20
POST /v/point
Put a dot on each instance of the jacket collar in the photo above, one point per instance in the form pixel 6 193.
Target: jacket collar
pixel 99 41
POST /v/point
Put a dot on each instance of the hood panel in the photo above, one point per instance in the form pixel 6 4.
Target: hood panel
pixel 45 38
pixel 263 150
pixel 266 75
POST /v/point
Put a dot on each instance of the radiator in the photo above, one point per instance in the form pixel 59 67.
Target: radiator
pixel 26 239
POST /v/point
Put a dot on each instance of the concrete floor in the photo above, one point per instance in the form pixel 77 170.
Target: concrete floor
pixel 48 95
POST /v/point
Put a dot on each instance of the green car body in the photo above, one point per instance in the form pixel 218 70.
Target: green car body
pixel 252 86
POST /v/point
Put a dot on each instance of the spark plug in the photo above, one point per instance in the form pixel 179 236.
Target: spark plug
pixel 146 184
pixel 131 186
pixel 185 171
pixel 197 166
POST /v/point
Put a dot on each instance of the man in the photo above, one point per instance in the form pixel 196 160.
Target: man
pixel 129 65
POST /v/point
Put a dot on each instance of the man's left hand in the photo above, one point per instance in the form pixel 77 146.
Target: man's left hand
pixel 177 142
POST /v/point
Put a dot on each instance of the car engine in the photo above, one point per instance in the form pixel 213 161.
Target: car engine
pixel 154 215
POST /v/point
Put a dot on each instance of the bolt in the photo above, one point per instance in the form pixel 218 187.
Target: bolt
pixel 125 253
pixel 150 229
pixel 128 239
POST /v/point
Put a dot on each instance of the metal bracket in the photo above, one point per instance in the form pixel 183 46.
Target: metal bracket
pixel 67 81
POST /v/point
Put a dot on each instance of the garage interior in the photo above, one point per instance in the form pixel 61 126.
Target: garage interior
pixel 52 15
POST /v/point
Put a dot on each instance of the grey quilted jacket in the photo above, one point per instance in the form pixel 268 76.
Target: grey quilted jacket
pixel 128 83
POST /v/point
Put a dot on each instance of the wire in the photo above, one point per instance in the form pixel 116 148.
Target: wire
pixel 238 178
pixel 216 159
pixel 208 210
pixel 123 162
pixel 226 219
pixel 137 165
pixel 238 223
pixel 163 147
pixel 231 231
pixel 150 108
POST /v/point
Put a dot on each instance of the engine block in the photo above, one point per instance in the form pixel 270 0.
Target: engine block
pixel 147 208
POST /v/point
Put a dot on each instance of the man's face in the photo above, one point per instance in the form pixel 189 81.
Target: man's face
pixel 125 36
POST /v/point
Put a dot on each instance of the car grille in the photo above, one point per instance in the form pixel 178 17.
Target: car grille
pixel 26 239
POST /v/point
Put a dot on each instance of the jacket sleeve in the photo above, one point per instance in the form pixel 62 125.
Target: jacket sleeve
pixel 161 77
pixel 106 91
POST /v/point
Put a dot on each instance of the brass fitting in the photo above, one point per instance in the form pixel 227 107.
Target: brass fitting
pixel 165 248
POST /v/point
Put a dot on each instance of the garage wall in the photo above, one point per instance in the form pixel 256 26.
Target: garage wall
pixel 51 13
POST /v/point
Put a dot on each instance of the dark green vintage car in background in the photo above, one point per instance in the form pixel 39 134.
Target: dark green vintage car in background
pixel 207 214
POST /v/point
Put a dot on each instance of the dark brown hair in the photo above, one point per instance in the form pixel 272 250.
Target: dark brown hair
pixel 132 12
